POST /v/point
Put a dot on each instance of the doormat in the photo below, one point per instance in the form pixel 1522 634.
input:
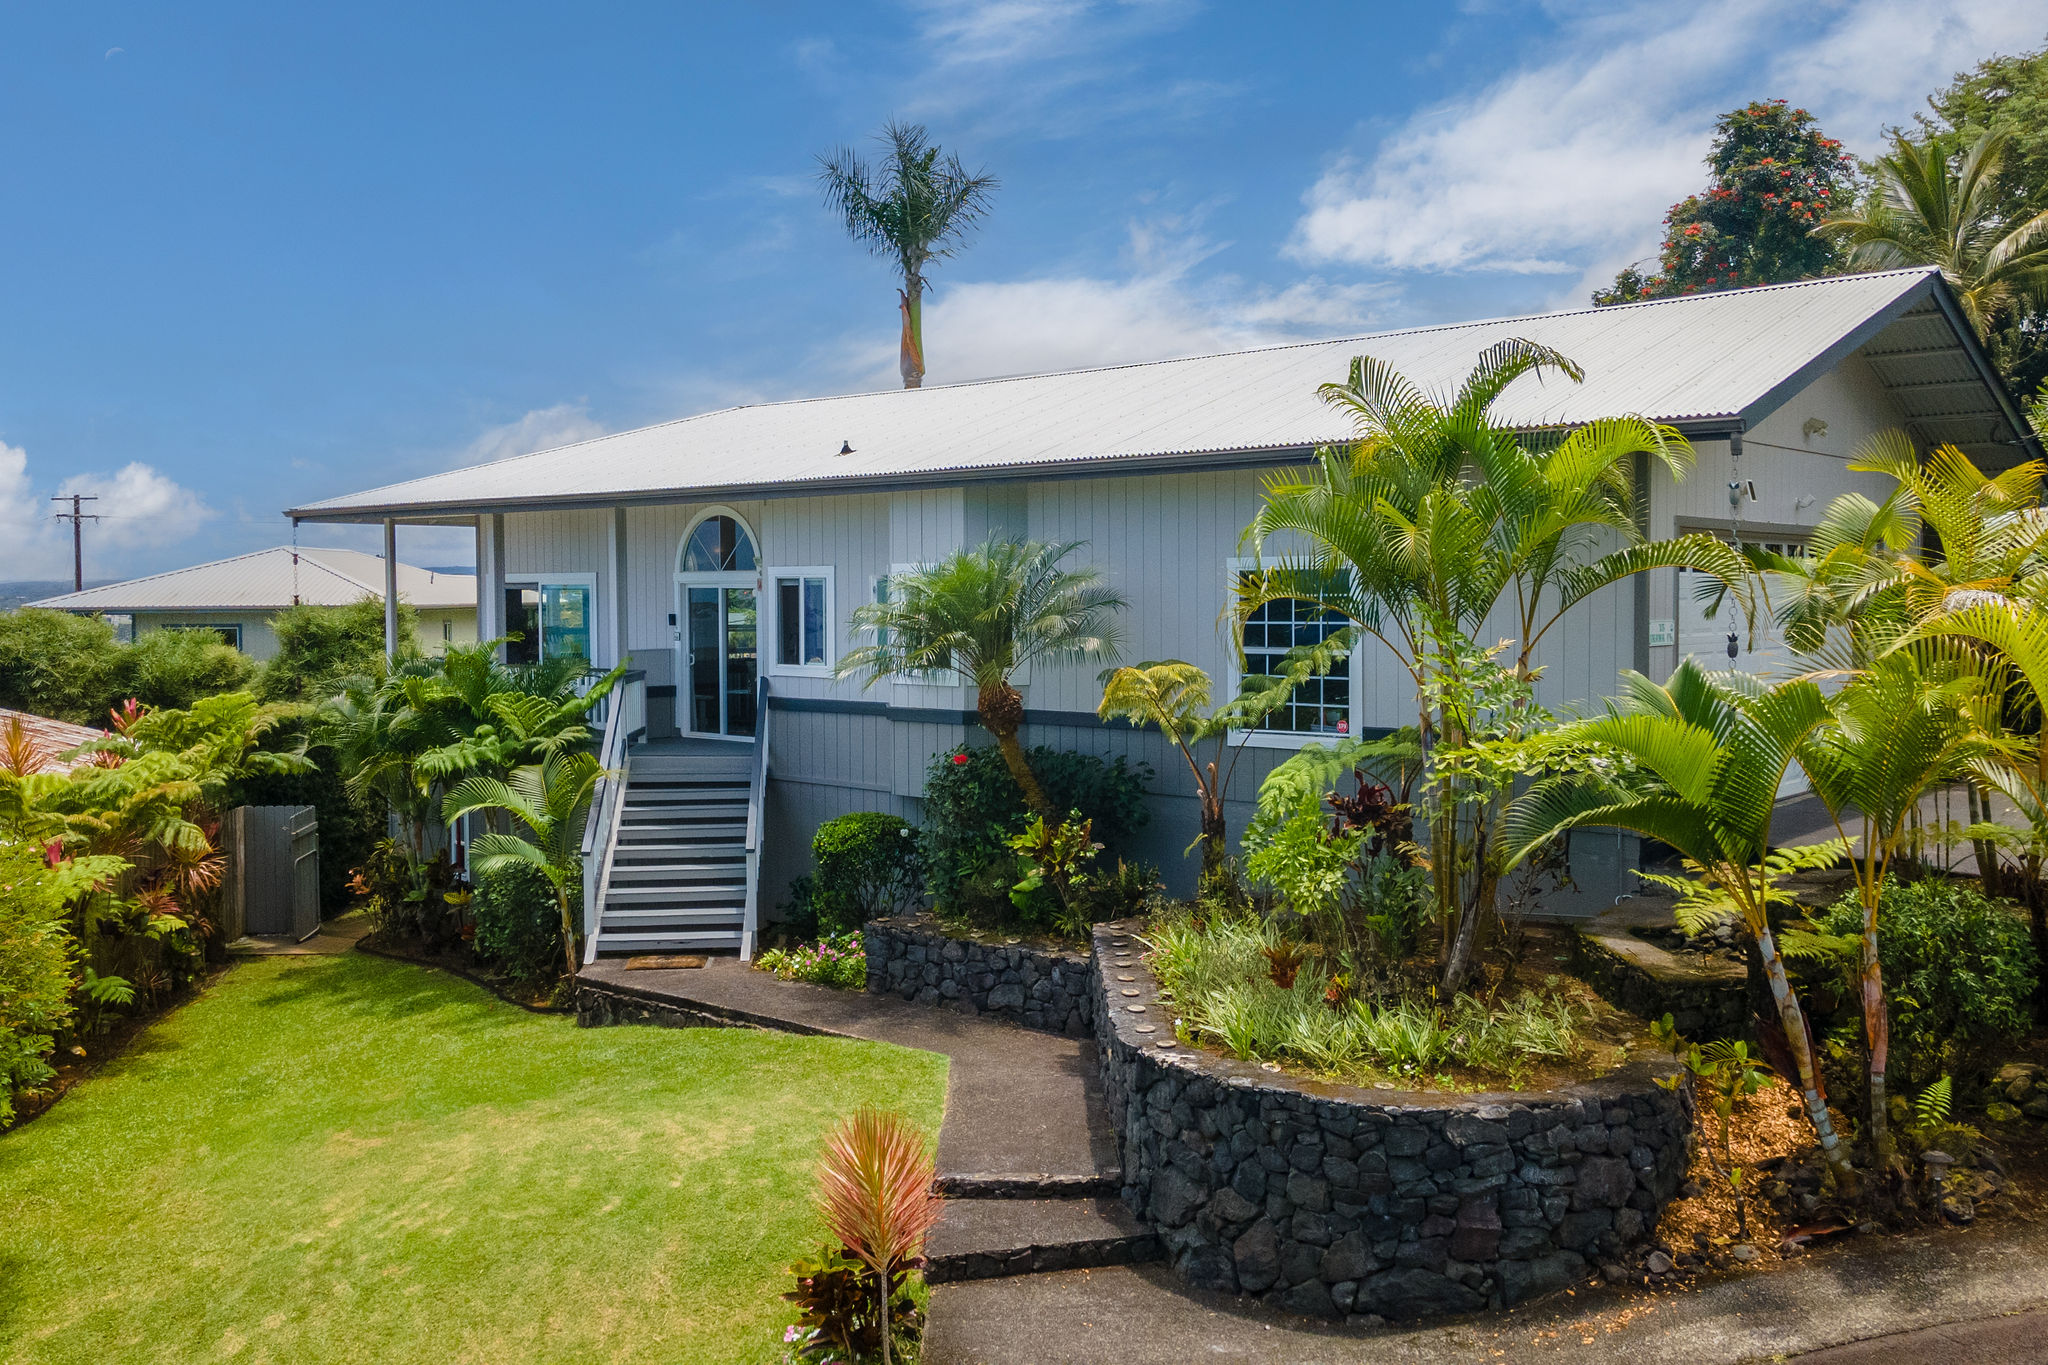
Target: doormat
pixel 660 963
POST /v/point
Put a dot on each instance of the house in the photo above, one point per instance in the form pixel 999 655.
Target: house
pixel 235 598
pixel 728 550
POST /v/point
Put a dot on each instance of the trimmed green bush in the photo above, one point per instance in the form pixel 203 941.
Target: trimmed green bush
pixel 863 865
pixel 973 807
pixel 518 928
pixel 53 663
pixel 1958 977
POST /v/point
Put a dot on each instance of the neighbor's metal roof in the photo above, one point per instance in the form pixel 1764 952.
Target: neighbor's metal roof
pixel 1723 357
pixel 266 581
pixel 47 740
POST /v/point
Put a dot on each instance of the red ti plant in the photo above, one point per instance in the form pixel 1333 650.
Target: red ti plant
pixel 875 1190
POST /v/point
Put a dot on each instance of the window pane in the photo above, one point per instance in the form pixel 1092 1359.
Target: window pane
pixel 814 621
pixel 718 545
pixel 522 625
pixel 564 621
pixel 788 591
pixel 1321 703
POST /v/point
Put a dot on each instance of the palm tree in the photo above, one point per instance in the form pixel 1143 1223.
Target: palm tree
pixel 1435 517
pixel 1931 207
pixel 912 208
pixel 550 798
pixel 1706 754
pixel 1174 695
pixel 1905 724
pixel 983 614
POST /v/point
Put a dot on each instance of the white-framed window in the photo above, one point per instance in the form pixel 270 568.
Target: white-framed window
pixel 553 614
pixel 803 621
pixel 1323 707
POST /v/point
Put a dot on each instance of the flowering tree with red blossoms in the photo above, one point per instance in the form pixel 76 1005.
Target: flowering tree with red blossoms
pixel 1775 177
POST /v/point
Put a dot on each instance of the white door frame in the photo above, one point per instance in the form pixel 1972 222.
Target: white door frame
pixel 684 648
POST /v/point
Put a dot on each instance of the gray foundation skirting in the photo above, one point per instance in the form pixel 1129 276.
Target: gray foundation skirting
pixel 1038 988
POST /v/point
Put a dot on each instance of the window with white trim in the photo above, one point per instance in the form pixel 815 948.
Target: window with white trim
pixel 554 615
pixel 803 611
pixel 1322 706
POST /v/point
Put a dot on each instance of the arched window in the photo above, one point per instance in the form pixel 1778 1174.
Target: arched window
pixel 718 545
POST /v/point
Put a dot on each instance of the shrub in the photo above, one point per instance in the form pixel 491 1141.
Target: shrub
pixel 863 865
pixel 839 960
pixel 518 926
pixel 175 668
pixel 35 969
pixel 1958 975
pixel 319 646
pixel 973 808
pixel 1220 972
pixel 53 663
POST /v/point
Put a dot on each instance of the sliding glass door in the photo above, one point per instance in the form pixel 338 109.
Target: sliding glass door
pixel 721 647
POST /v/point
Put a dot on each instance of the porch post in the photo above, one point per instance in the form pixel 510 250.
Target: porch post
pixel 390 590
pixel 617 563
pixel 494 582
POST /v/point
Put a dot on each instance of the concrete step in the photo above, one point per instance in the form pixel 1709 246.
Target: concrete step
pixel 985 1239
pixel 661 941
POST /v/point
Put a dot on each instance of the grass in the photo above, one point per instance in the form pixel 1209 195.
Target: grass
pixel 1221 982
pixel 349 1159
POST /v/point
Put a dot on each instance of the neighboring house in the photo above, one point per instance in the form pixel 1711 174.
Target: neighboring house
pixel 235 598
pixel 716 548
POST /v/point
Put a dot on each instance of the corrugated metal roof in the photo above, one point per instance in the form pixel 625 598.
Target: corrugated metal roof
pixel 1694 359
pixel 265 581
pixel 47 739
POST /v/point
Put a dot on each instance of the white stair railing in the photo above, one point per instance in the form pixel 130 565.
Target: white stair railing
pixel 625 720
pixel 757 797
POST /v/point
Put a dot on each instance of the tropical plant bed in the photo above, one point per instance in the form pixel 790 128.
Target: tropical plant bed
pixel 1538 1026
pixel 463 961
pixel 329 1159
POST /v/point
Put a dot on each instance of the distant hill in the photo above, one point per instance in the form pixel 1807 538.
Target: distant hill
pixel 13 595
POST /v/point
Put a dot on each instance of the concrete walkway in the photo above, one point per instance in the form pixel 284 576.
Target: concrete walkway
pixel 336 936
pixel 1022 1108
pixel 1951 1294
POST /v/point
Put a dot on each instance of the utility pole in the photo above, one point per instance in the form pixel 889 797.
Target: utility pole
pixel 77 519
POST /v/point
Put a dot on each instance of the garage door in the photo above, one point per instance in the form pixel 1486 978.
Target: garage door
pixel 1707 639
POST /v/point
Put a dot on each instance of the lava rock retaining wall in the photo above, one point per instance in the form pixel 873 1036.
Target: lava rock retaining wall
pixel 1333 1201
pixel 908 956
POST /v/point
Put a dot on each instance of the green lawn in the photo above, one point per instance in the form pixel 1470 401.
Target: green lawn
pixel 349 1159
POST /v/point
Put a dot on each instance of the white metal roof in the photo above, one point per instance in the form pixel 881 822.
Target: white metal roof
pixel 266 580
pixel 1725 357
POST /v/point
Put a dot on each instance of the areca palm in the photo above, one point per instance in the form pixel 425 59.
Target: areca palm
pixel 552 800
pixel 1908 722
pixel 1933 206
pixel 1705 755
pixel 983 614
pixel 1435 523
pixel 912 208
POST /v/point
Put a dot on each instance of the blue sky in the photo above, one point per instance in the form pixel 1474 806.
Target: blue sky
pixel 260 254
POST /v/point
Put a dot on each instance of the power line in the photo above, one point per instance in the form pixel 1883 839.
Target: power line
pixel 78 519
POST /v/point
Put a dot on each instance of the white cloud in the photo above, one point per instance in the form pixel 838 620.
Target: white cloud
pixel 1156 309
pixel 140 510
pixel 1566 165
pixel 541 429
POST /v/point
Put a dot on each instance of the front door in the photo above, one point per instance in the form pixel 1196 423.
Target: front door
pixel 721 657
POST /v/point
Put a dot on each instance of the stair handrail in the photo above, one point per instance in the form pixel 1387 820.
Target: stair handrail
pixel 757 796
pixel 624 721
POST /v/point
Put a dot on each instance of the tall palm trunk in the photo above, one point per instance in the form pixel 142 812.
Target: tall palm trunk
pixel 910 351
pixel 1792 1020
pixel 1002 714
pixel 568 928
